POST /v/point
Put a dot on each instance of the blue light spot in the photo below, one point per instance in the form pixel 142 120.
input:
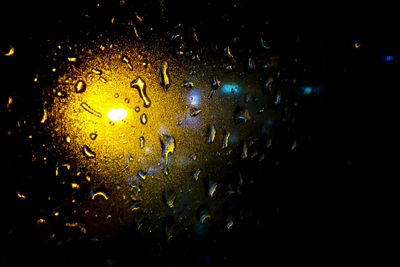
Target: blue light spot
pixel 307 90
pixel 389 58
pixel 230 88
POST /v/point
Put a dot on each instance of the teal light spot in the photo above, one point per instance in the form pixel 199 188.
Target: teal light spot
pixel 230 88
pixel 307 90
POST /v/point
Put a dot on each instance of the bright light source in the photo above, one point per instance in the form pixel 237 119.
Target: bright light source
pixel 117 114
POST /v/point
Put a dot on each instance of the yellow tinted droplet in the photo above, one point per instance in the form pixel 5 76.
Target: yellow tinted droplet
pixel 136 33
pixel 88 152
pixel 90 110
pixel 75 185
pixel 80 87
pixel 21 195
pixel 99 193
pixel 164 76
pixel 226 139
pixel 9 102
pixel 127 61
pixel 68 139
pixel 117 114
pixel 41 221
pixel 72 59
pixel 93 136
pixel 141 87
pixel 10 52
pixel 96 71
pixel 143 118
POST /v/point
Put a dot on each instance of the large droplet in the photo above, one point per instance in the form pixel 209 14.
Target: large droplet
pixel 242 115
pixel 194 112
pixel 93 136
pixel 99 192
pixel 80 86
pixel 142 142
pixel 168 147
pixel 212 133
pixel 88 152
pixel 143 118
pixel 164 76
pixel 86 107
pixel 141 87
pixel 196 174
pixel 226 139
pixel 244 150
pixel 212 189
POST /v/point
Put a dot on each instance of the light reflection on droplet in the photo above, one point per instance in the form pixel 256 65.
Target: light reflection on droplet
pixel 117 114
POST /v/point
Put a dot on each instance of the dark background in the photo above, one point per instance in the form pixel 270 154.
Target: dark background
pixel 327 201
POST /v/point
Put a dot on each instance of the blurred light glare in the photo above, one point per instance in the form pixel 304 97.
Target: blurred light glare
pixel 117 114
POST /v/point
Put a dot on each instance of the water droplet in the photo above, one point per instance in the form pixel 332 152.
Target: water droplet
pixel 188 84
pixel 141 175
pixel 137 109
pixel 10 52
pixel 93 136
pixel 136 33
pixel 88 152
pixel 168 147
pixel 68 139
pixel 169 198
pixel 294 145
pixel 116 95
pixel 126 60
pixel 228 53
pixel 229 223
pixel 61 94
pixel 212 189
pixel 215 83
pixel 164 76
pixel 86 107
pixel 212 132
pixel 194 156
pixel 142 142
pixel 96 71
pixel 204 215
pixel 44 118
pixel 41 221
pixel 99 192
pixel 80 86
pixel 74 185
pixel 127 100
pixel 244 150
pixel 22 196
pixel 196 174
pixel 195 111
pixel 72 59
pixel 226 139
pixel 278 98
pixel 141 87
pixel 241 115
pixel 103 79
pixel 252 66
pixel 143 118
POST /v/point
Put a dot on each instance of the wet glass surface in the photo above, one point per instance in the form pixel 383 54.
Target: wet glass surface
pixel 169 133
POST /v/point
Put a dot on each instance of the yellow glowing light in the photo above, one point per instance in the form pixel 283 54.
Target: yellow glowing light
pixel 11 52
pixel 117 114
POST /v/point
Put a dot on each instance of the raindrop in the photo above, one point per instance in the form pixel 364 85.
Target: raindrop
pixel 93 136
pixel 252 66
pixel 126 60
pixel 44 118
pixel 212 189
pixel 212 133
pixel 141 87
pixel 61 94
pixel 127 100
pixel 188 84
pixel 244 150
pixel 226 139
pixel 99 192
pixel 143 118
pixel 169 198
pixel 229 223
pixel 196 174
pixel 204 214
pixel 168 147
pixel 164 76
pixel 142 142
pixel 86 107
pixel 137 109
pixel 195 111
pixel 278 98
pixel 241 115
pixel 10 52
pixel 141 175
pixel 96 71
pixel 80 86
pixel 194 156
pixel 68 139
pixel 227 52
pixel 88 152
pixel 215 83
pixel 116 95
